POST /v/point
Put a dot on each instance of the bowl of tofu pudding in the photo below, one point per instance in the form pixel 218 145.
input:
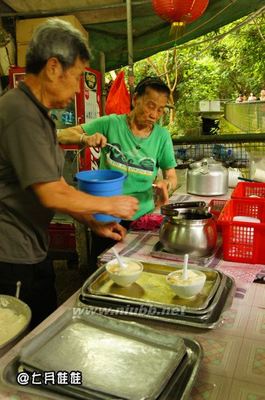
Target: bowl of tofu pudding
pixel 189 287
pixel 126 275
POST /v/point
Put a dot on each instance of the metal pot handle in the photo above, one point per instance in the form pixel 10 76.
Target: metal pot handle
pixel 172 209
pixel 204 168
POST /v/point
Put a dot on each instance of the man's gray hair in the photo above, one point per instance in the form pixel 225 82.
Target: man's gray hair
pixel 55 38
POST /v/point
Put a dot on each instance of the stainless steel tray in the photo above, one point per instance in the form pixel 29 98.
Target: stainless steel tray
pixel 158 251
pixel 222 301
pixel 152 289
pixel 177 386
pixel 128 352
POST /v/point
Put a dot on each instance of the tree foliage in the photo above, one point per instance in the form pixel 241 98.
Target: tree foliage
pixel 219 65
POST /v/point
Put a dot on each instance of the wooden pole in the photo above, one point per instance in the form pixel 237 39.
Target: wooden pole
pixel 130 46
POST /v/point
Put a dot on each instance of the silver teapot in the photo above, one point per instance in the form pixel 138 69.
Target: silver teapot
pixel 207 178
pixel 188 228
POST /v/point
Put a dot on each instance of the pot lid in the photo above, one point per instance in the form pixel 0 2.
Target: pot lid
pixel 175 209
pixel 205 161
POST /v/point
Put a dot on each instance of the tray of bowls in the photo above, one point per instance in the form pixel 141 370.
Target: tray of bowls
pixel 115 360
pixel 158 292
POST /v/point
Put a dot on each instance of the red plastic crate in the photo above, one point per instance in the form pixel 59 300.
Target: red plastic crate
pixel 216 206
pixel 249 189
pixel 62 237
pixel 243 241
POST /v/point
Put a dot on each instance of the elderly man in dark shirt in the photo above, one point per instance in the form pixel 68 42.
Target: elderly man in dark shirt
pixel 31 163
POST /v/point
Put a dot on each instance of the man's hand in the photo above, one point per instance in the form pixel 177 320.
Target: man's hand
pixel 96 140
pixel 161 193
pixel 111 230
pixel 122 206
pixel 61 197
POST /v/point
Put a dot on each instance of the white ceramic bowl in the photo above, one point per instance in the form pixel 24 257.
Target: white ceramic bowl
pixel 124 276
pixel 186 288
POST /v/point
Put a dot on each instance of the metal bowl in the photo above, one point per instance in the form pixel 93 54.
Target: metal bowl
pixel 19 308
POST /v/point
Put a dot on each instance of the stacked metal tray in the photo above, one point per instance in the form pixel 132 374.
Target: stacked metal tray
pixel 158 251
pixel 117 360
pixel 151 297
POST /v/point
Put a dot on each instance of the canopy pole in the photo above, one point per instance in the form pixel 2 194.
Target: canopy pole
pixel 102 63
pixel 130 46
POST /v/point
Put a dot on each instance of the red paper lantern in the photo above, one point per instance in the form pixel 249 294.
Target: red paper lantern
pixel 180 12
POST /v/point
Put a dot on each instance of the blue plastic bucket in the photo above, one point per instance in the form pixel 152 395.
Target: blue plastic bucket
pixel 101 183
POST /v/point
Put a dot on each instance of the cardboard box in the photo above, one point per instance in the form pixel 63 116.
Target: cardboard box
pixel 7 57
pixel 26 27
pixel 21 54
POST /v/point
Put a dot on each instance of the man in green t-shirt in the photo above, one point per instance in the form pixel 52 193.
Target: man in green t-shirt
pixel 139 146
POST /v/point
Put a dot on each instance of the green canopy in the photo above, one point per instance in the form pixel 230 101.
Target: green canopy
pixel 151 33
pixel 106 22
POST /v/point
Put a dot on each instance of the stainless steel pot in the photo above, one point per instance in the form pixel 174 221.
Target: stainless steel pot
pixel 207 178
pixel 20 309
pixel 192 232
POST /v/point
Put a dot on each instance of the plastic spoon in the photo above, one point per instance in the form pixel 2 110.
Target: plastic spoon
pixel 18 284
pixel 121 263
pixel 185 267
